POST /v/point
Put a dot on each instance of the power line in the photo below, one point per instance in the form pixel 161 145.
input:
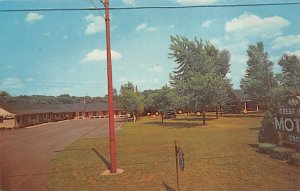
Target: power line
pixel 151 7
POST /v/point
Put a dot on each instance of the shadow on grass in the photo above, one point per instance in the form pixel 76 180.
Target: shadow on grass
pixel 254 128
pixel 242 115
pixel 102 158
pixel 175 124
pixel 167 187
pixel 253 145
pixel 198 119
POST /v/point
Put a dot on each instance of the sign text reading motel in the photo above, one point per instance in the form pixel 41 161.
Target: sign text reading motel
pixel 287 120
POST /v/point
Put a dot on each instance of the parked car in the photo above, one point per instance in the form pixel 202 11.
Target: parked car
pixel 171 114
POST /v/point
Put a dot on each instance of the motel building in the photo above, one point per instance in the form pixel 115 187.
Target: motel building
pixel 19 115
pixel 247 105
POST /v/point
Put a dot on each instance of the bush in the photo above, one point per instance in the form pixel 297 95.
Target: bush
pixel 267 132
pixel 295 159
pixel 282 153
pixel 266 148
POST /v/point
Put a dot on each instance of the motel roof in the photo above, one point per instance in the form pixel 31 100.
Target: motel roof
pixel 24 108
pixel 241 95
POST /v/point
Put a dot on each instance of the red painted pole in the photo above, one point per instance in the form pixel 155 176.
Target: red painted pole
pixel 113 166
pixel 176 156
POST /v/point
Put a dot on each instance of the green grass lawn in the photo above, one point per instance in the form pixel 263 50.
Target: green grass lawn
pixel 219 156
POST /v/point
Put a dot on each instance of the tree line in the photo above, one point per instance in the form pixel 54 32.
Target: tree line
pixel 199 83
pixel 6 98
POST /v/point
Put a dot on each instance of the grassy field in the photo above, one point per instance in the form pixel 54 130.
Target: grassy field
pixel 219 156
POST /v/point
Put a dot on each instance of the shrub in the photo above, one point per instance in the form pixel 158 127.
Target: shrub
pixel 267 132
pixel 266 148
pixel 282 153
pixel 295 159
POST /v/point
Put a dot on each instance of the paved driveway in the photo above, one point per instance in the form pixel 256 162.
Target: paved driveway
pixel 25 154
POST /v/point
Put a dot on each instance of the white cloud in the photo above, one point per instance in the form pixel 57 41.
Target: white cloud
pixel 207 23
pixel 140 81
pixel 297 53
pixel 228 75
pixel 286 41
pixel 29 80
pixel 171 27
pixel 71 70
pixel 155 69
pixel 98 55
pixel 47 34
pixel 96 24
pixel 33 16
pixel 130 2
pixel 65 37
pixel 12 83
pixel 145 28
pixel 216 41
pixel 196 2
pixel 243 71
pixel 9 67
pixel 253 26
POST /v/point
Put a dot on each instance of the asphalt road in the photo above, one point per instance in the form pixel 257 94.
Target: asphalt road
pixel 25 154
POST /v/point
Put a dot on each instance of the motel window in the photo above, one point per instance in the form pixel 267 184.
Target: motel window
pixel 18 119
pixel 57 115
pixel 33 116
pixel 49 116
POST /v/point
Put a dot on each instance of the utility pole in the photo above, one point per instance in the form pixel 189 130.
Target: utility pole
pixel 112 140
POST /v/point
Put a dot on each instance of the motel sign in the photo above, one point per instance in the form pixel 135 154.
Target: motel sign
pixel 287 120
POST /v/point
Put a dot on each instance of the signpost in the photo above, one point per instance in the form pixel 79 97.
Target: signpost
pixel 287 120
pixel 179 162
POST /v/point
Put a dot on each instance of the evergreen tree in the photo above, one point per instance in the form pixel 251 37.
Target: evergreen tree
pixel 259 79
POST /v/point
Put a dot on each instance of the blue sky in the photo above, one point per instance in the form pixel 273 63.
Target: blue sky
pixel 53 53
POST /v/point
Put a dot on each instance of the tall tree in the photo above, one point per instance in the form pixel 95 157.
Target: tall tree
pixel 200 77
pixel 290 78
pixel 130 99
pixel 259 79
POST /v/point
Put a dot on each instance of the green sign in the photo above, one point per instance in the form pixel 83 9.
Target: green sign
pixel 287 120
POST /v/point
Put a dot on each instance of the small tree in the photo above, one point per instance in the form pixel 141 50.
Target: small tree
pixel 267 133
pixel 130 99
pixel 4 96
pixel 164 100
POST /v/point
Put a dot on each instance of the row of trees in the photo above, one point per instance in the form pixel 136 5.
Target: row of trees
pixel 265 87
pixel 5 97
pixel 199 81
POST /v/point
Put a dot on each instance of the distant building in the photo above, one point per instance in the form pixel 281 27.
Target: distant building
pixel 23 115
pixel 248 105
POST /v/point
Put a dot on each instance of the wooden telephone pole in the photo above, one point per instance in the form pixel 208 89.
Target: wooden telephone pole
pixel 112 140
